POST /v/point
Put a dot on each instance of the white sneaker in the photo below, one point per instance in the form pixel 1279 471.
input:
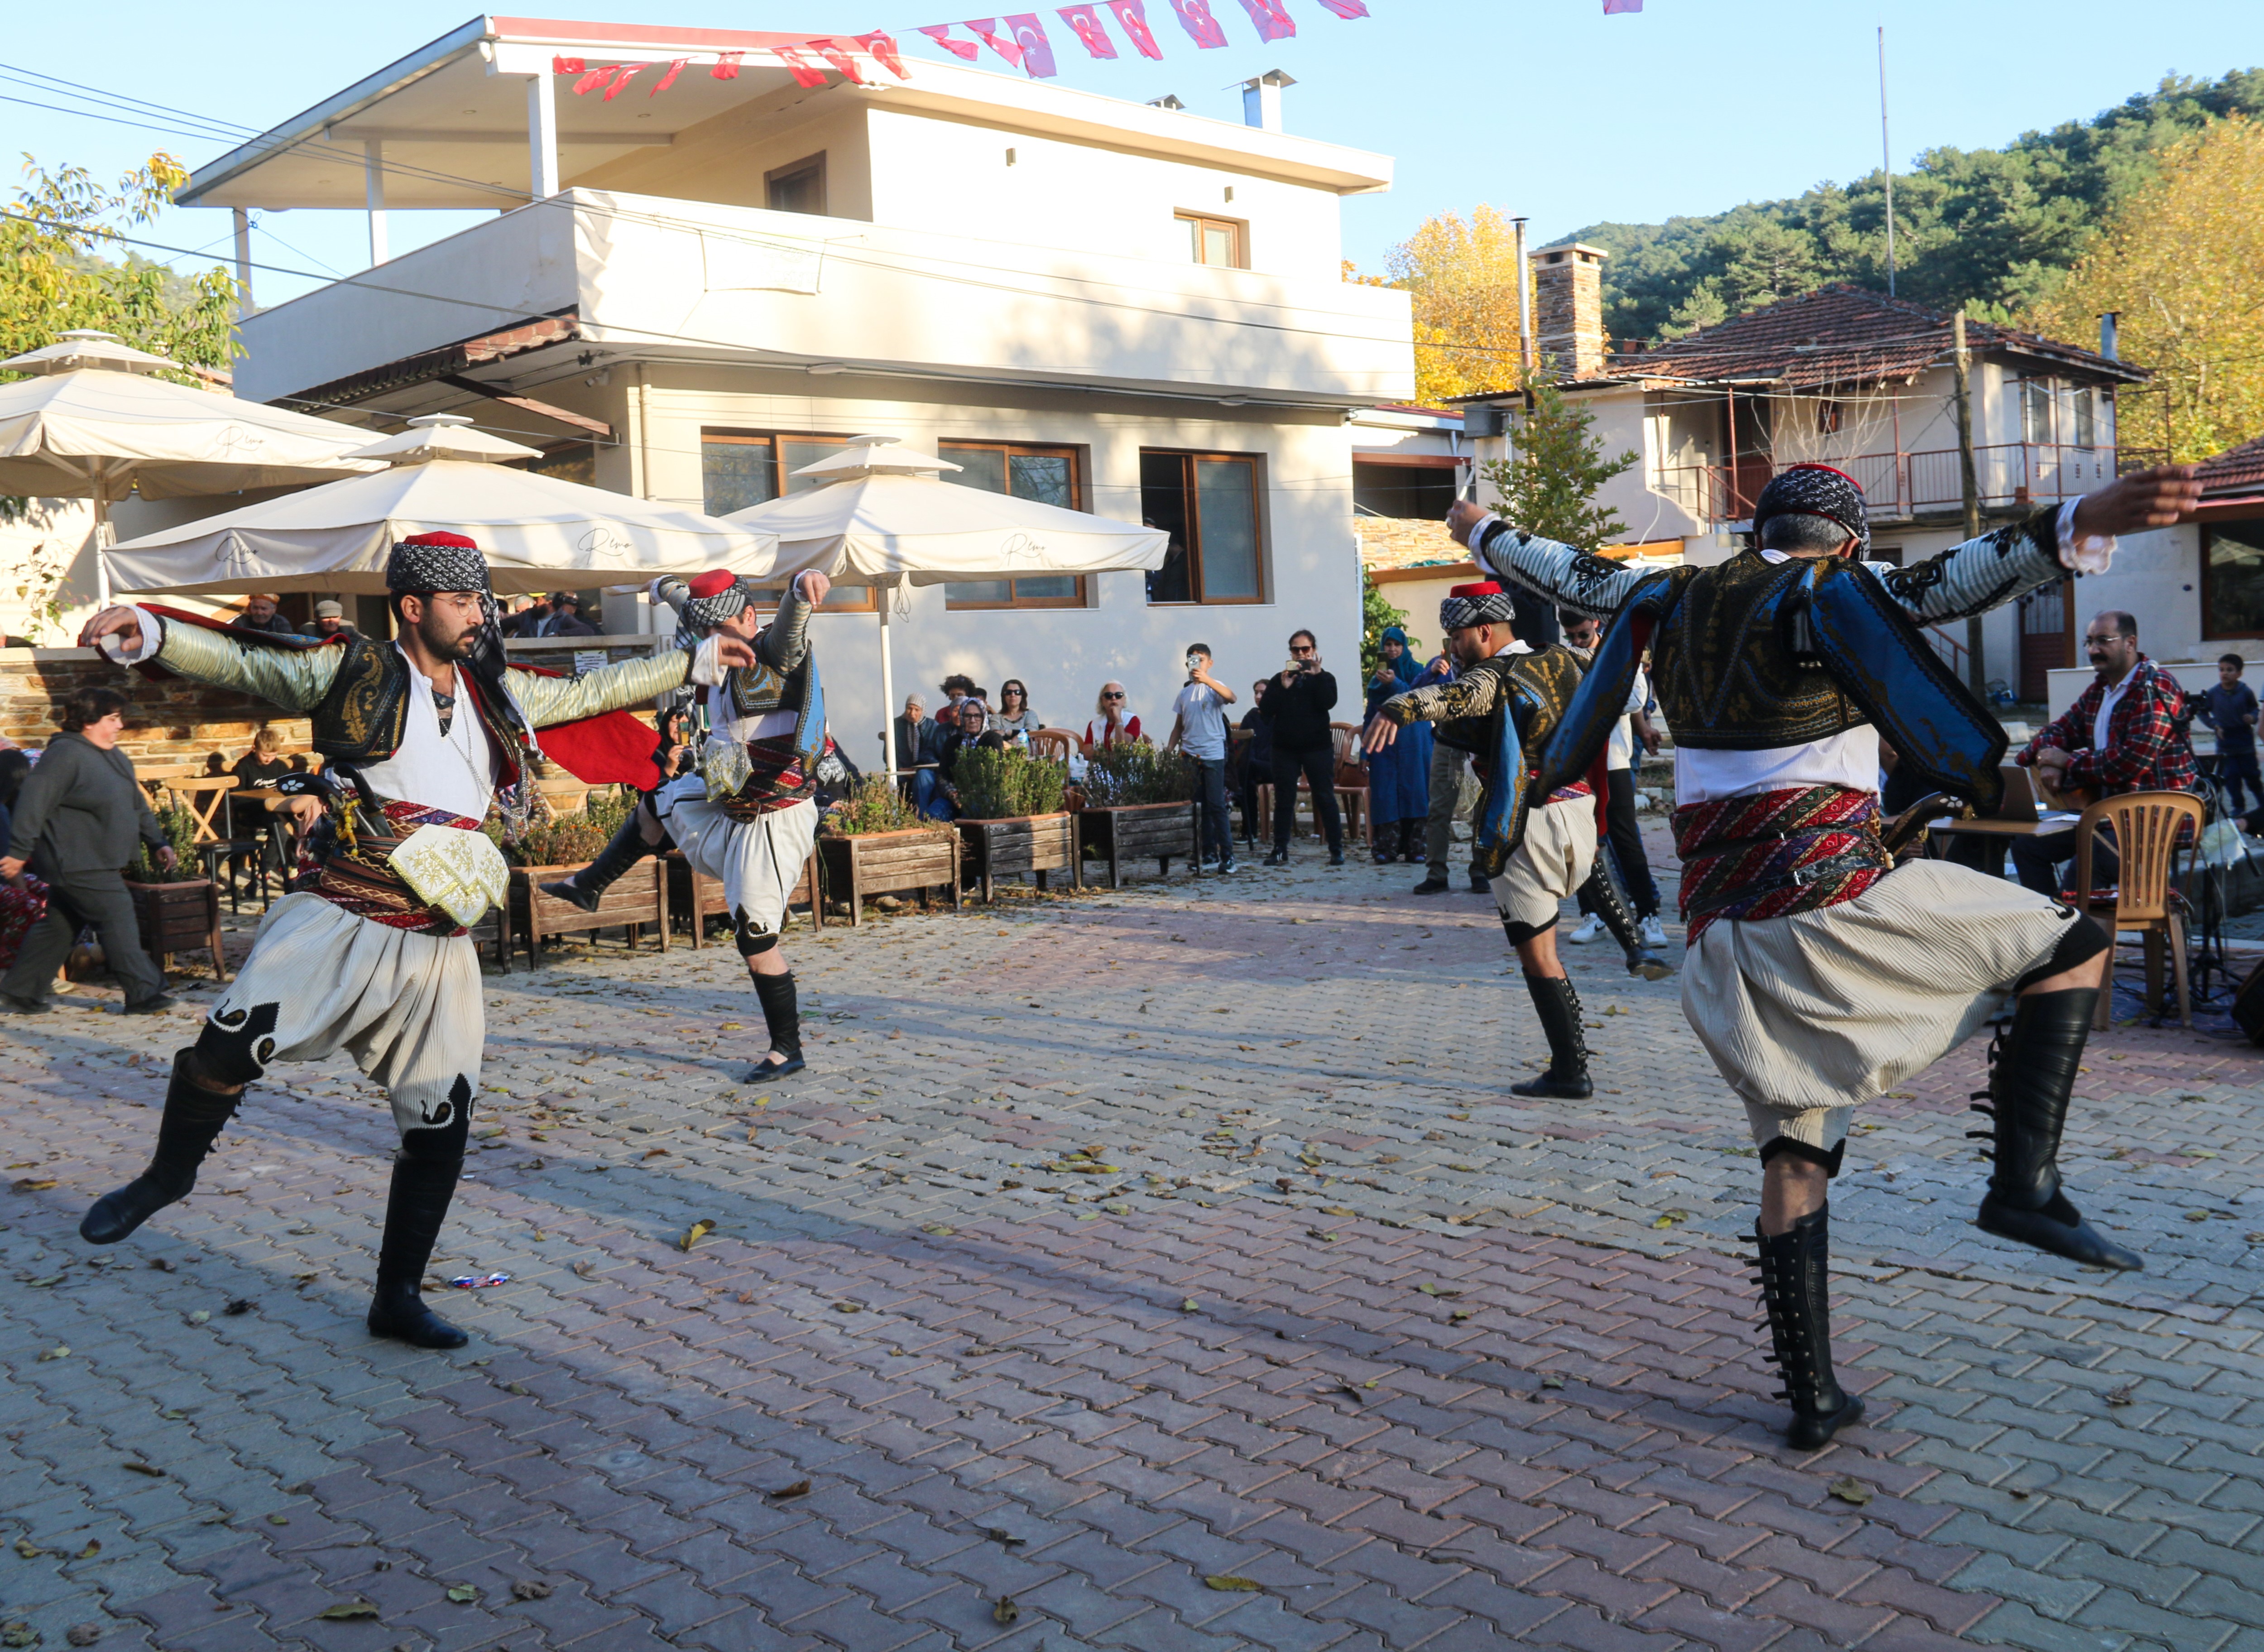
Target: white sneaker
pixel 1653 936
pixel 1591 927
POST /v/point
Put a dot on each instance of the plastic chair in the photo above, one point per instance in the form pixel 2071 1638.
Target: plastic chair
pixel 1058 743
pixel 2147 826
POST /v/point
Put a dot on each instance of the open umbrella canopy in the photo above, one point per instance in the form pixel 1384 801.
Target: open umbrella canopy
pixel 93 423
pixel 539 533
pixel 886 516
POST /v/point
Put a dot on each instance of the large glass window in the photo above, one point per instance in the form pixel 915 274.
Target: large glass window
pixel 2086 417
pixel 2035 409
pixel 1048 475
pixel 739 469
pixel 2232 578
pixel 1214 240
pixel 1208 503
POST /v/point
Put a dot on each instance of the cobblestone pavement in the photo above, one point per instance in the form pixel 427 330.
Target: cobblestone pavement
pixel 1164 1268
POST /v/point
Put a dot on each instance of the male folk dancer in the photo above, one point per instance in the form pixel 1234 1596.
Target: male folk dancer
pixel 748 818
pixel 369 954
pixel 1534 848
pixel 1819 972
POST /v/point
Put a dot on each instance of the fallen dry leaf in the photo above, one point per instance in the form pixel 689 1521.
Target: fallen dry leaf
pixel 1230 1584
pixel 463 1594
pixel 27 1185
pixel 150 1469
pixel 1005 1610
pixel 527 1589
pixel 694 1233
pixel 83 1633
pixel 1847 1488
pixel 349 1609
pixel 2119 1396
pixel 93 1548
pixel 800 1488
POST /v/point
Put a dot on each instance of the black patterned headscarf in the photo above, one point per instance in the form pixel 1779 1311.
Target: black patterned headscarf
pixel 1483 603
pixel 425 563
pixel 1815 490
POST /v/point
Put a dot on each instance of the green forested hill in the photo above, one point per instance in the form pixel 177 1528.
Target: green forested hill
pixel 1991 228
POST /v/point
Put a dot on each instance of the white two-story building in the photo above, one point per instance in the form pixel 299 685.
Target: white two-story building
pixel 688 293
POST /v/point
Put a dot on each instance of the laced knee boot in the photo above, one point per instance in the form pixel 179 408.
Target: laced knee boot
pixel 1606 896
pixel 1558 1006
pixel 1795 1281
pixel 425 1170
pixel 782 1016
pixel 589 885
pixel 2032 1068
pixel 191 1121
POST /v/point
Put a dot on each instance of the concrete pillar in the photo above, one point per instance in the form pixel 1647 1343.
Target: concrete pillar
pixel 543 136
pixel 373 172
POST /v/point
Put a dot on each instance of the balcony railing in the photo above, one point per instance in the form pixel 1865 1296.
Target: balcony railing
pixel 1902 484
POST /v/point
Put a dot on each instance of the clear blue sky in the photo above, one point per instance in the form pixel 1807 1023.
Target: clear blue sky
pixel 1544 107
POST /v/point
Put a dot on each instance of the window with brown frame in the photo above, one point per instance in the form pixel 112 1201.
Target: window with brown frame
pixel 1049 475
pixel 797 187
pixel 742 468
pixel 1208 503
pixel 1216 241
pixel 2232 579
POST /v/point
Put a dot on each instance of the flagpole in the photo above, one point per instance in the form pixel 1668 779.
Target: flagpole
pixel 1887 160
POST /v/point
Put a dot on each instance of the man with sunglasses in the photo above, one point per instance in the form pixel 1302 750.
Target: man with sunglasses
pixel 1295 705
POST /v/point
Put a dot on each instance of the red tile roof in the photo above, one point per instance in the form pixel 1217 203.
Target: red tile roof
pixel 2236 468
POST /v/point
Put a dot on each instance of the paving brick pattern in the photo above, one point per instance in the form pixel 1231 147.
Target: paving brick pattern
pixel 1167 1238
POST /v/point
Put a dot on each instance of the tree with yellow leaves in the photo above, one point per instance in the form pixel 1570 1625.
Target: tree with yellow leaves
pixel 1463 277
pixel 2180 264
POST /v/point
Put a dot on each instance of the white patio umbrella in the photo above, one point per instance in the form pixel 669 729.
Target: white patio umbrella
pixel 885 517
pixel 538 533
pixel 92 424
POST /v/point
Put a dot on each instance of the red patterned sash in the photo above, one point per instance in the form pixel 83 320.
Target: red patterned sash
pixel 1762 856
pixel 362 879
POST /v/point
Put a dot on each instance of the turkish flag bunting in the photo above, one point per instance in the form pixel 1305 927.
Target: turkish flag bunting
pixel 1273 22
pixel 940 33
pixel 1037 50
pixel 669 79
pixel 883 48
pixel 986 30
pixel 1132 17
pixel 629 72
pixel 1201 27
pixel 726 67
pixel 1347 8
pixel 805 72
pixel 1085 23
pixel 567 66
pixel 595 79
pixel 1613 6
pixel 830 50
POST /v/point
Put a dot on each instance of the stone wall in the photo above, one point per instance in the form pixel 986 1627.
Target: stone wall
pixel 1398 541
pixel 167 721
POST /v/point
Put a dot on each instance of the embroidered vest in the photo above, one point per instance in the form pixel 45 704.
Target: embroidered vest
pixel 1729 669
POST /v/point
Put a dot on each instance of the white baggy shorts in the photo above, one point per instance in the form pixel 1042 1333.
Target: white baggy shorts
pixel 1550 863
pixel 758 861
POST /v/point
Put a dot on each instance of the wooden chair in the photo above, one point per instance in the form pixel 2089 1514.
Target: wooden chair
pixel 1351 780
pixel 2147 826
pixel 1058 743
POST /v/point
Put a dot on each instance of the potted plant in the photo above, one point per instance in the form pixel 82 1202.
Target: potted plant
pixel 559 847
pixel 178 912
pixel 1012 818
pixel 1139 800
pixel 873 843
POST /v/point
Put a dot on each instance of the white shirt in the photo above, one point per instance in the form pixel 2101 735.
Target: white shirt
pixel 1618 750
pixel 1203 721
pixel 454 771
pixel 2105 721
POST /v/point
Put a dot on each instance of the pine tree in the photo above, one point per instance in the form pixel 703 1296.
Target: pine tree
pixel 1548 483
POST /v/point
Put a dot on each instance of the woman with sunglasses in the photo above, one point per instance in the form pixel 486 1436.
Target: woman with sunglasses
pixel 1113 723
pixel 1014 718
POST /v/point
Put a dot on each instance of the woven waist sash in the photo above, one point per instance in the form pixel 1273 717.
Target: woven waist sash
pixel 361 879
pixel 1795 849
pixel 777 779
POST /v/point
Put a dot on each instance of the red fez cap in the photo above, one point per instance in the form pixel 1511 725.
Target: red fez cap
pixel 1482 588
pixel 456 540
pixel 714 583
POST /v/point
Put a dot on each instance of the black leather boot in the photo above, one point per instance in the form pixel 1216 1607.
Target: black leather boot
pixel 783 1016
pixel 425 1170
pixel 1795 1281
pixel 192 1119
pixel 2032 1067
pixel 1558 1006
pixel 589 885
pixel 1606 896
pixel 1410 841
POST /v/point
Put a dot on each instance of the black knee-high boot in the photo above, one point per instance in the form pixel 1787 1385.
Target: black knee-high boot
pixel 425 1170
pixel 2031 1069
pixel 588 886
pixel 1795 1282
pixel 783 1017
pixel 1558 1006
pixel 191 1121
pixel 1606 896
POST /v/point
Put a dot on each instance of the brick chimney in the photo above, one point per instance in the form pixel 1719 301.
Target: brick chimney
pixel 1568 308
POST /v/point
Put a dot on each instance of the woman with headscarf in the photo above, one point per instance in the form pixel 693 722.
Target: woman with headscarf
pixel 1399 776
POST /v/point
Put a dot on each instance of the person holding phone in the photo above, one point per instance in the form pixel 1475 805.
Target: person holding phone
pixel 1199 728
pixel 1298 702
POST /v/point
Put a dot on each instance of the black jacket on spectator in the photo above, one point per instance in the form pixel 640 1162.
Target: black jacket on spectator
pixel 81 812
pixel 1299 711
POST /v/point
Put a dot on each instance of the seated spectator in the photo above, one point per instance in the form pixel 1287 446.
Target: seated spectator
pixel 2122 734
pixel 936 791
pixel 2230 709
pixel 1113 723
pixel 566 618
pixel 1255 758
pixel 528 616
pixel 1014 718
pixel 261 766
pixel 260 614
pixel 915 735
pixel 330 619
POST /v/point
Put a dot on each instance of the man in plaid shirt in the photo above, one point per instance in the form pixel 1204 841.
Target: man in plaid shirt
pixel 2122 734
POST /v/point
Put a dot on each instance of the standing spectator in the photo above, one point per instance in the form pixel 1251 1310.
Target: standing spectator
pixel 1014 718
pixel 330 619
pixel 1453 792
pixel 1257 760
pixel 15 768
pixel 1199 728
pixel 2122 734
pixel 74 825
pixel 566 618
pixel 1113 723
pixel 1399 776
pixel 260 614
pixel 1582 633
pixel 2230 709
pixel 1297 704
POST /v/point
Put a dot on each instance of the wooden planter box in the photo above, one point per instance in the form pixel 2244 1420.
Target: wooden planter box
pixel 887 863
pixel 691 892
pixel 638 900
pixel 1039 843
pixel 1133 830
pixel 179 917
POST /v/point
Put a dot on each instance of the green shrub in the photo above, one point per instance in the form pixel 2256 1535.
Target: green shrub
pixel 180 828
pixel 997 785
pixel 876 805
pixel 1135 771
pixel 570 840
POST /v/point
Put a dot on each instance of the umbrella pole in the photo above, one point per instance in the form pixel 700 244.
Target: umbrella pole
pixel 887 690
pixel 103 538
